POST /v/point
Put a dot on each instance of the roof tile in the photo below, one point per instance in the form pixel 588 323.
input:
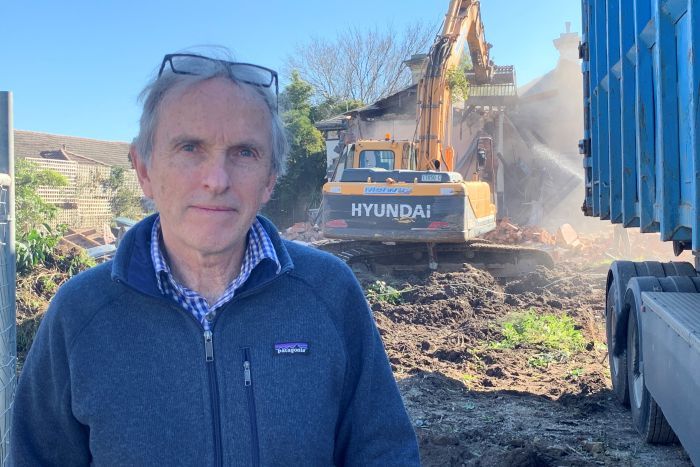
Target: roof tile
pixel 82 150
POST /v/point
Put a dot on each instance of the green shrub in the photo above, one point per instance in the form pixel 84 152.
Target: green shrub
pixel 31 211
pixel 35 247
pixel 556 337
pixel 380 291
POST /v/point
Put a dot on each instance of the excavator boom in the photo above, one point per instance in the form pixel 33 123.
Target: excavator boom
pixel 462 24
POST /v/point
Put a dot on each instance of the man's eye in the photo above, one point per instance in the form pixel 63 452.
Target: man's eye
pixel 246 152
pixel 189 147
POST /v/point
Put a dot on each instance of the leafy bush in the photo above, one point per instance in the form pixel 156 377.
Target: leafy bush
pixel 35 247
pixel 38 248
pixel 30 209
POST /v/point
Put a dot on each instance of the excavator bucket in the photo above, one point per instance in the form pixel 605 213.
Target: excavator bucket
pixel 500 91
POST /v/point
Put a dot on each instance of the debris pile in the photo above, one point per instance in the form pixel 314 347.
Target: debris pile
pixel 87 238
pixel 566 244
pixel 512 234
pixel 303 232
pixel 97 243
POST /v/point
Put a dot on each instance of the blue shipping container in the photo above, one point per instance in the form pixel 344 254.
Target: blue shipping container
pixel 642 115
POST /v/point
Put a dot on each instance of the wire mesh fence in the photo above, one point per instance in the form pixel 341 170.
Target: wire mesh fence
pixel 8 336
pixel 8 330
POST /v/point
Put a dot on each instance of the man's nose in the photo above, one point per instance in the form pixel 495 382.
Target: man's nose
pixel 216 177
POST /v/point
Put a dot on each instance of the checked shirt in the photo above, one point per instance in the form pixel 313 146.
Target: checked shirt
pixel 259 247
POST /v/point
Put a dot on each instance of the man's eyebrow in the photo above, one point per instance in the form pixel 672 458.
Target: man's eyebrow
pixel 248 143
pixel 182 139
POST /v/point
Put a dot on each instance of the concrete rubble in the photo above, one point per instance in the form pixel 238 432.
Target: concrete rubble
pixel 567 237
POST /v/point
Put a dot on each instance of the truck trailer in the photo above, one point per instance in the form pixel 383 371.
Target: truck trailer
pixel 641 156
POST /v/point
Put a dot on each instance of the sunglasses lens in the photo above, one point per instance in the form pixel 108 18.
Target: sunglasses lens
pixel 251 74
pixel 195 65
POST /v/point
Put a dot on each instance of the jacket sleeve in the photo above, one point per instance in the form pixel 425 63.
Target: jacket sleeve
pixel 44 431
pixel 374 428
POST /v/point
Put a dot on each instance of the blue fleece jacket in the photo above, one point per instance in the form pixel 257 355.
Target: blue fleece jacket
pixel 294 372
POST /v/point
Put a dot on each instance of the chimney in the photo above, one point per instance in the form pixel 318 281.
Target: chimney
pixel 417 64
pixel 567 44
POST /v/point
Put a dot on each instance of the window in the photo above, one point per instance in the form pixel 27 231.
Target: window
pixel 377 159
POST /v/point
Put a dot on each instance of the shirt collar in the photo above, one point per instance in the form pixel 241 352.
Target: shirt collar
pixel 259 246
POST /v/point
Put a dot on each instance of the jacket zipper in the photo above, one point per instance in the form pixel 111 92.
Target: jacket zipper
pixel 248 384
pixel 213 396
pixel 211 371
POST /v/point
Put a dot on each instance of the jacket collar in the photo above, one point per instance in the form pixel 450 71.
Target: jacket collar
pixel 133 265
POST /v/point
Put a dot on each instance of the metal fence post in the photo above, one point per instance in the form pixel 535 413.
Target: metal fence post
pixel 8 331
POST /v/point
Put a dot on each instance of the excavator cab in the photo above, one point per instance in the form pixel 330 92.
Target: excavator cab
pixel 383 155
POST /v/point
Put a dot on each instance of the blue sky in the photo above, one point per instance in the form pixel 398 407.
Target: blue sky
pixel 76 67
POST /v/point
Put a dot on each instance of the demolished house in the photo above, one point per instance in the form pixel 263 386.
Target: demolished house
pixel 534 129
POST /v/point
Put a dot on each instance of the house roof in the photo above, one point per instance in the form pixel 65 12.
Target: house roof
pixel 401 102
pixel 80 150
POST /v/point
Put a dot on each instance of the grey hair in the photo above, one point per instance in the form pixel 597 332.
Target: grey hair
pixel 155 92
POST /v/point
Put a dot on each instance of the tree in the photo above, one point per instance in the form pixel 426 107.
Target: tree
pixel 364 65
pixel 122 199
pixel 306 164
pixel 31 211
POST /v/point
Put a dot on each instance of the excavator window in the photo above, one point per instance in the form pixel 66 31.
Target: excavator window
pixel 379 159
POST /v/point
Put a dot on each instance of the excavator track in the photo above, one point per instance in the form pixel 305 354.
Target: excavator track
pixel 380 258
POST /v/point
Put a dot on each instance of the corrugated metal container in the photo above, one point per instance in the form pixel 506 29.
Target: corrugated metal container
pixel 642 115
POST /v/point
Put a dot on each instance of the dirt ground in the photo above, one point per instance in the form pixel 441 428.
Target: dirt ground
pixel 471 403
pixel 476 405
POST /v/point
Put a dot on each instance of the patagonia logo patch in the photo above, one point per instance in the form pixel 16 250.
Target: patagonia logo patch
pixel 291 348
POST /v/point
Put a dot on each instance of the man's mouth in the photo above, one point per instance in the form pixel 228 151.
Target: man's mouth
pixel 213 208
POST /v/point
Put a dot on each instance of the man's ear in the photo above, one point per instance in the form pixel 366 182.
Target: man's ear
pixel 141 168
pixel 269 188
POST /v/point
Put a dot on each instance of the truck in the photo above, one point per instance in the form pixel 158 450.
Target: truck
pixel 641 157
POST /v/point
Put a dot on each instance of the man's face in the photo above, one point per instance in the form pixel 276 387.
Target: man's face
pixel 210 168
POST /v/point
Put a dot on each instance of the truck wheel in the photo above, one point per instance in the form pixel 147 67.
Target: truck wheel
pixel 618 363
pixel 647 416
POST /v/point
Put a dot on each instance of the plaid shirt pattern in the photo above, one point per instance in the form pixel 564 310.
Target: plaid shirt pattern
pixel 259 247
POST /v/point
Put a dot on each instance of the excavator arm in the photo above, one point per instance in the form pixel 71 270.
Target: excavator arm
pixel 462 24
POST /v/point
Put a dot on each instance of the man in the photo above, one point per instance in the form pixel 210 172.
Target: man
pixel 209 340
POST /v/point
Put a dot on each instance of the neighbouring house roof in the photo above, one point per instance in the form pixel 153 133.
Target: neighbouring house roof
pixel 401 102
pixel 339 122
pixel 71 148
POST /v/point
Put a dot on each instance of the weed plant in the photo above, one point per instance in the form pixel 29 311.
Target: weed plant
pixel 380 291
pixel 555 337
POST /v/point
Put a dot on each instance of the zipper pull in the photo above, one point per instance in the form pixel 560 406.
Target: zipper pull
pixel 246 373
pixel 208 346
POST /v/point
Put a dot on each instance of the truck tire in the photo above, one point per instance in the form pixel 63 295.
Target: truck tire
pixel 647 416
pixel 618 363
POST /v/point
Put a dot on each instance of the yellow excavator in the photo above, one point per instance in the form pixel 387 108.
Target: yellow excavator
pixel 393 197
